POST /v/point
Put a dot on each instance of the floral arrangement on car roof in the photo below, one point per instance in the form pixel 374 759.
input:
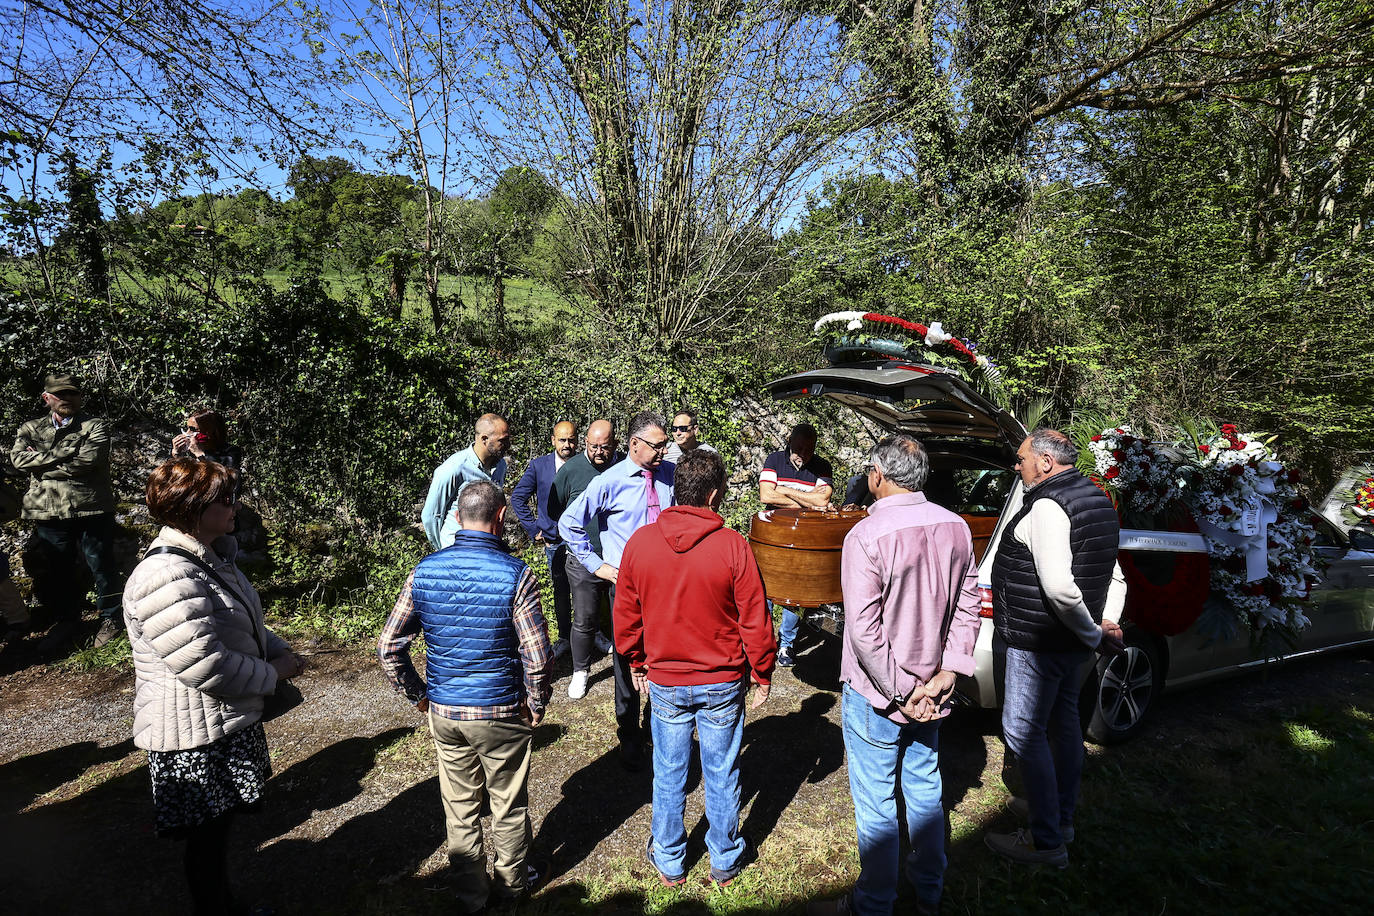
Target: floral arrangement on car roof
pixel 931 344
pixel 1247 507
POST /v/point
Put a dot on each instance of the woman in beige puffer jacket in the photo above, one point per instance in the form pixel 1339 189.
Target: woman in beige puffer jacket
pixel 204 663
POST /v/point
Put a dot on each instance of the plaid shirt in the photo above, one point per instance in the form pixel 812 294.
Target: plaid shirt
pixel 536 655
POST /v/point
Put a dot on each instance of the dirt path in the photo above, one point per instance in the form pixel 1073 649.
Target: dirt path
pixel 352 820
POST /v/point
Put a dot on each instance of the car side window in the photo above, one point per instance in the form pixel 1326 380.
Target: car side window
pixel 1325 534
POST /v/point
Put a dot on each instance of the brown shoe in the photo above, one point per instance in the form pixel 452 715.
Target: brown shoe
pixel 1020 847
pixel 109 630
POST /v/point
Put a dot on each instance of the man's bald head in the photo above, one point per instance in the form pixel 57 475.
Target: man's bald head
pixel 488 422
pixel 565 439
pixel 493 438
pixel 601 443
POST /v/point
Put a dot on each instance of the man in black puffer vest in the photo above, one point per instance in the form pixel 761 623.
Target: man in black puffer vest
pixel 1053 576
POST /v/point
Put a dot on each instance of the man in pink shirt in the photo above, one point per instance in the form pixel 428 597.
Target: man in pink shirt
pixel 911 619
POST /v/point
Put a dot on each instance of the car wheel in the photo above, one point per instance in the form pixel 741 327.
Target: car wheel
pixel 1122 690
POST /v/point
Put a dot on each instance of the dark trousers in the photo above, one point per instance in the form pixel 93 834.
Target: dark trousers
pixel 556 554
pixel 587 590
pixel 54 551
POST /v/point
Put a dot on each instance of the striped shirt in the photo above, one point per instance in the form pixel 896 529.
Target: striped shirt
pixel 536 655
pixel 779 471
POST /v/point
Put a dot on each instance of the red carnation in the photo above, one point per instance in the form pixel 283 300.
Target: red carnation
pixel 1112 473
pixel 1128 440
pixel 1118 455
pixel 1205 449
pixel 1096 439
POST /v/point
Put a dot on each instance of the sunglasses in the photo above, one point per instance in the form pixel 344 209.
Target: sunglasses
pixel 684 429
pixel 228 499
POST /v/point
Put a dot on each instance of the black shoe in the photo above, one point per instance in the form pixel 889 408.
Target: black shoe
pixel 632 754
pixel 785 659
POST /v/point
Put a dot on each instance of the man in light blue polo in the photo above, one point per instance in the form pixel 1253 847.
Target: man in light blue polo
pixel 485 460
pixel 621 500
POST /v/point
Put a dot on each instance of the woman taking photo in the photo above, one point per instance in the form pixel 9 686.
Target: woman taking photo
pixel 206 436
pixel 204 663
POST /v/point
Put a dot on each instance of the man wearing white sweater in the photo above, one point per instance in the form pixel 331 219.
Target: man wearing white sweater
pixel 1054 575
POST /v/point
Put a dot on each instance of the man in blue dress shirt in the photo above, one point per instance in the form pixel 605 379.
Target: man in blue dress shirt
pixel 621 500
pixel 543 530
pixel 485 460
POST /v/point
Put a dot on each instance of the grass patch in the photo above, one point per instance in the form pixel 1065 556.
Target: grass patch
pixel 1260 816
pixel 116 653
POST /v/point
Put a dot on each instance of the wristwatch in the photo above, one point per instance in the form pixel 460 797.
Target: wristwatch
pixel 901 698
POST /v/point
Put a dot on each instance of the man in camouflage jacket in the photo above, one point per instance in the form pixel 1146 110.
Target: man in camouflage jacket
pixel 66 454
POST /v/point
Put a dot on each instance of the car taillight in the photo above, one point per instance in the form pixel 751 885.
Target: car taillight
pixel 985 602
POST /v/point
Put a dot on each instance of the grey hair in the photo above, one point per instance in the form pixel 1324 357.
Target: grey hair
pixel 902 461
pixel 642 421
pixel 1052 442
pixel 479 502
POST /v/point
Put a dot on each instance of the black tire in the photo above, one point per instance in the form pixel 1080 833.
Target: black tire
pixel 1123 690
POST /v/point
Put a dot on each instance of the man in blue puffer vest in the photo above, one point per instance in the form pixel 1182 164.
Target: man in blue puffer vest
pixel 490 671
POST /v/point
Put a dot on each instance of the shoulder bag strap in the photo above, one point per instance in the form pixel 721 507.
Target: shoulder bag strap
pixel 219 580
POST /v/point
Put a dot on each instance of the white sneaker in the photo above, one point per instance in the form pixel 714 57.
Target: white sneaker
pixel 577 687
pixel 603 645
pixel 560 648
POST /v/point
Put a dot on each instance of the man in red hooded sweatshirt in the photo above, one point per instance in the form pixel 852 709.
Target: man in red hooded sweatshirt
pixel 691 620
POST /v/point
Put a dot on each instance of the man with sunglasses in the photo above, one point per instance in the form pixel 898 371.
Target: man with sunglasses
pixel 620 501
pixel 587 590
pixel 684 437
pixel 70 500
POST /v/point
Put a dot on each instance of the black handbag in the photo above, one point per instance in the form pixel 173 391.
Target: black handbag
pixel 287 696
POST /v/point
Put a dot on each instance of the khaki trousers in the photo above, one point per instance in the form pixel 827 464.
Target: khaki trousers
pixel 493 753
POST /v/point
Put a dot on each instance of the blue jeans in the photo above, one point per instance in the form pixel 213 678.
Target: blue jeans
pixel 1040 725
pixel 787 630
pixel 717 713
pixel 882 754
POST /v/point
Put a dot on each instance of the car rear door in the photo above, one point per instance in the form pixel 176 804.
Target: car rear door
pixel 923 401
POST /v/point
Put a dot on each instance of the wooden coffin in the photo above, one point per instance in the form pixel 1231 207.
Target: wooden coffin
pixel 798 552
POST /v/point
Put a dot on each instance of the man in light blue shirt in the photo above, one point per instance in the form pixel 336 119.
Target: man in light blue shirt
pixel 483 460
pixel 621 500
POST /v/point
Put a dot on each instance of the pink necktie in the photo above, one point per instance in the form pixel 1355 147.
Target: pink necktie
pixel 651 496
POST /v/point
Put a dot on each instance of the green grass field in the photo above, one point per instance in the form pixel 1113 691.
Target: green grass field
pixel 528 301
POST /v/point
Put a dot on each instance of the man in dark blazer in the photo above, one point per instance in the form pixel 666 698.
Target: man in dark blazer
pixel 543 530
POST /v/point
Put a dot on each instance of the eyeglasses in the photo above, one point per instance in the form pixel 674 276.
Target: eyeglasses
pixel 227 499
pixel 684 429
pixel 191 429
pixel 656 446
pixel 869 468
